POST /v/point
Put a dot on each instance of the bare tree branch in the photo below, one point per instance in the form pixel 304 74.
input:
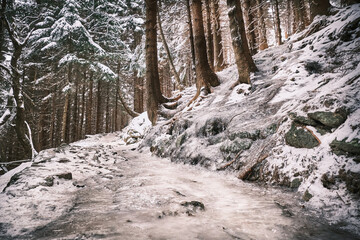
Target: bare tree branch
pixel 6 69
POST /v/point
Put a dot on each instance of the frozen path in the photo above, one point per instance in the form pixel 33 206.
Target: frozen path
pixel 144 197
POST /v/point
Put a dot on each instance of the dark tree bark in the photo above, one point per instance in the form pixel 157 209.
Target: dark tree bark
pixel 65 126
pixel 205 76
pixel 138 85
pixel 75 116
pixel 348 2
pixel 99 108
pixel 191 34
pixel 21 127
pixel 67 136
pixel 209 36
pixel 81 124
pixel 244 61
pixel 261 24
pixel 138 94
pixel 2 30
pixel 218 48
pixel 64 122
pixel 319 7
pixel 152 73
pixel 288 19
pixel 298 15
pixel 305 13
pixel 250 26
pixel 89 106
pixel 116 110
pixel 53 118
pixel 107 110
pixel 275 5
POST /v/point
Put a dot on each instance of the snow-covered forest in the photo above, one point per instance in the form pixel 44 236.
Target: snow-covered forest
pixel 102 100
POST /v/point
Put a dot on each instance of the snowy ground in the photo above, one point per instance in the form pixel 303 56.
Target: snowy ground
pixel 118 193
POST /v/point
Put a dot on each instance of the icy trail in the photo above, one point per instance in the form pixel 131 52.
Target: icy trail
pixel 123 194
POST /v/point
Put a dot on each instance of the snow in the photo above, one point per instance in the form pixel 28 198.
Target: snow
pixel 136 129
pixel 6 115
pixel 66 88
pixel 105 70
pixel 4 179
pixel 30 139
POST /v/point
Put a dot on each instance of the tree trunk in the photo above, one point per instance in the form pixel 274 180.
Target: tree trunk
pixel 154 96
pixel 209 37
pixel 249 21
pixel 218 48
pixel 244 61
pixel 169 57
pixel 125 106
pixel 298 15
pixel 21 128
pixel 20 125
pixel 99 108
pixel 138 94
pixel 205 76
pixel 261 24
pixel 191 34
pixel 122 100
pixel 319 7
pixel 40 131
pixel 83 91
pixel 345 3
pixel 288 19
pixel 275 5
pixel 64 126
pixel 53 118
pixel 65 118
pixel 89 107
pixel 107 110
pixel 2 30
pixel 116 110
pixel 75 116
pixel 304 13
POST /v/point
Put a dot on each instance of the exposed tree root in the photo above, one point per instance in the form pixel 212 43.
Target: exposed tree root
pixel 194 98
pixel 126 107
pixel 171 106
pixel 226 165
pixel 234 85
pixel 247 172
pixel 312 133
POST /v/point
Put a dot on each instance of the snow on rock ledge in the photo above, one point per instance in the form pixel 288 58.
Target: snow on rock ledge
pixel 136 129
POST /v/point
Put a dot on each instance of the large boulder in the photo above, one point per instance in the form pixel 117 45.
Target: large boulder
pixel 300 138
pixel 351 179
pixel 341 147
pixel 235 146
pixel 330 119
pixel 251 134
pixel 212 127
pixel 302 120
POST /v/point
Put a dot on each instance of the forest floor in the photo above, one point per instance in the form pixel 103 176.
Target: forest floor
pixel 117 192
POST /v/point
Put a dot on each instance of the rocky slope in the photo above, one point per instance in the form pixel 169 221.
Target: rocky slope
pixel 297 126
